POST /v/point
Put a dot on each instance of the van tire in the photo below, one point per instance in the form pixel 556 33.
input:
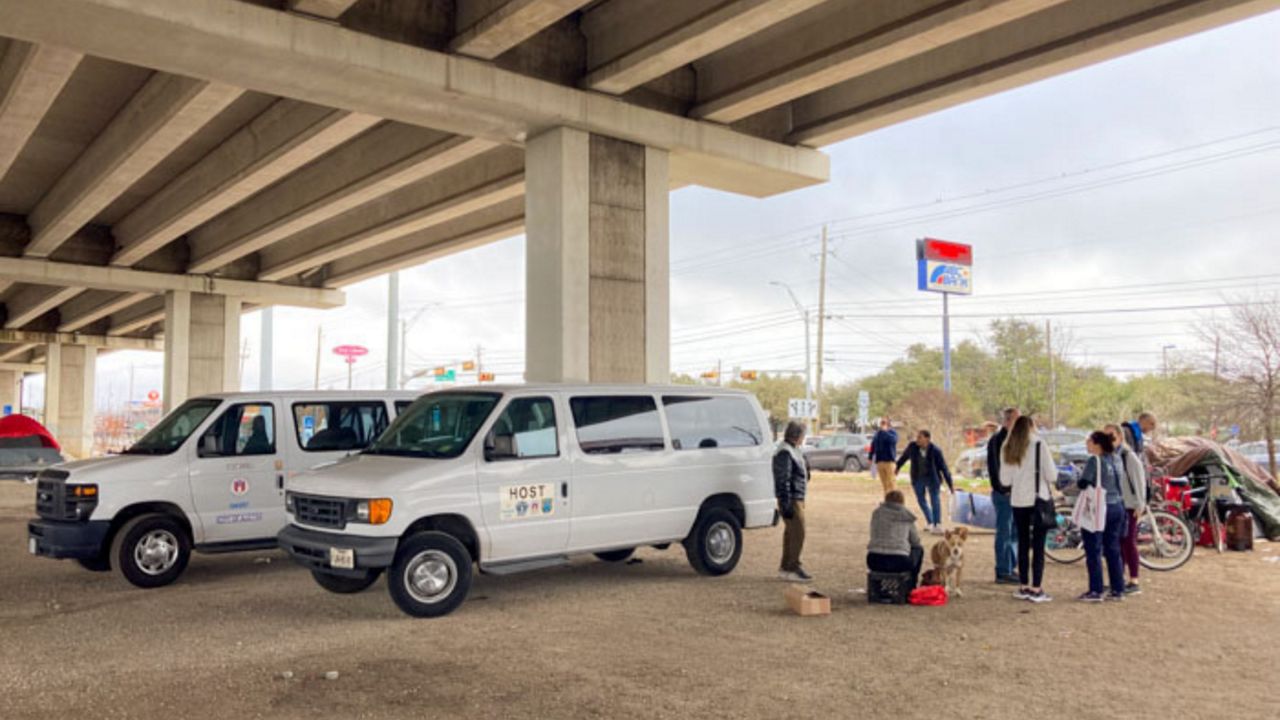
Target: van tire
pixel 616 556
pixel 445 559
pixel 715 545
pixel 166 535
pixel 344 585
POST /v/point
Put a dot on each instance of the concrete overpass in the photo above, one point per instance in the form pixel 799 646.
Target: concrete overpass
pixel 166 165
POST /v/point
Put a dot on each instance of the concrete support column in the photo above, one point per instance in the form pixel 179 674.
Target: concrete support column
pixel 597 260
pixel 69 397
pixel 10 392
pixel 201 345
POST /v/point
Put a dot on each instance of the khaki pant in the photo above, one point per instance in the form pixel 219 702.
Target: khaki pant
pixel 888 473
pixel 793 538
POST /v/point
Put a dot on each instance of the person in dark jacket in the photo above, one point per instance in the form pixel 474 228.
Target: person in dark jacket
pixel 884 450
pixel 928 469
pixel 790 480
pixel 1006 544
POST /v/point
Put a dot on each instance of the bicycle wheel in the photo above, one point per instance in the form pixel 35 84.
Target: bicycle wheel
pixel 1064 544
pixel 1164 541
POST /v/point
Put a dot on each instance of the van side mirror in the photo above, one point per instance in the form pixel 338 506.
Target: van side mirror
pixel 209 446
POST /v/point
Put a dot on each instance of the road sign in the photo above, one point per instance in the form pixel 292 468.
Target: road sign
pixel 468 365
pixel 351 352
pixel 864 399
pixel 749 375
pixel 485 377
pixel 446 376
pixel 801 409
pixel 153 395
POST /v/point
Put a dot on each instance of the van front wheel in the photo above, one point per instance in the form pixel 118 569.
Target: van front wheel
pixel 151 550
pixel 715 545
pixel 431 575
pixel 344 585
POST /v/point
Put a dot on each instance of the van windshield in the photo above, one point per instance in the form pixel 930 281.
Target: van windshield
pixel 169 434
pixel 439 425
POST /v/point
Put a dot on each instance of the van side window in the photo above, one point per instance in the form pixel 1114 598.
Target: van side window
pixel 247 429
pixel 612 424
pixel 329 426
pixel 401 405
pixel 525 429
pixel 700 421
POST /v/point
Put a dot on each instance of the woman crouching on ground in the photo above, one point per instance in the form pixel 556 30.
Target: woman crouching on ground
pixel 1026 467
pixel 895 545
pixel 1102 469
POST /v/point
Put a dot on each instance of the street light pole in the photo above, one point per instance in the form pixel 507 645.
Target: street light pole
pixel 804 314
pixel 1164 355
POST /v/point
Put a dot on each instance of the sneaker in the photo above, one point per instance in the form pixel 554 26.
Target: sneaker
pixel 1022 594
pixel 1007 580
pixel 803 575
pixel 1132 589
pixel 1039 596
pixel 1090 597
pixel 789 576
pixel 1114 597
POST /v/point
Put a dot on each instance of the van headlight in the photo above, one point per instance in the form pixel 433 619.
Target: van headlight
pixel 376 511
pixel 288 502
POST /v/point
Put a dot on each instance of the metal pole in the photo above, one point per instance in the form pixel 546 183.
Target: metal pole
pixel 822 312
pixel 808 364
pixel 319 340
pixel 266 360
pixel 1053 375
pixel 350 367
pixel 393 331
pixel 946 344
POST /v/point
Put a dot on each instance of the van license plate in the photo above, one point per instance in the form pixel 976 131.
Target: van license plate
pixel 33 546
pixel 342 558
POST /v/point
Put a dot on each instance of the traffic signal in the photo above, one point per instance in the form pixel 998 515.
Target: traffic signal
pixel 485 377
pixel 749 375
pixel 468 365
pixel 440 371
pixel 710 375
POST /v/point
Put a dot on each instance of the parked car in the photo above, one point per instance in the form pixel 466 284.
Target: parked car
pixel 973 462
pixel 1257 452
pixel 521 477
pixel 1058 439
pixel 847 452
pixel 1075 455
pixel 210 476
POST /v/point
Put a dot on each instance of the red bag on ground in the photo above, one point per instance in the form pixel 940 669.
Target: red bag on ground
pixel 930 595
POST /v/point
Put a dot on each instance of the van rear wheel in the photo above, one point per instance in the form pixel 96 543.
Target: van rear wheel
pixel 715 545
pixel 431 575
pixel 616 556
pixel 151 550
pixel 344 585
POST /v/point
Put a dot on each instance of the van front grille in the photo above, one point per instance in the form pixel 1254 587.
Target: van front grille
pixel 320 511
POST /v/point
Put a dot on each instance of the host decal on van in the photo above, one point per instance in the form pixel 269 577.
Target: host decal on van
pixel 523 477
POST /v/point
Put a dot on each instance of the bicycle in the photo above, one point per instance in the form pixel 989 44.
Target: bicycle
pixel 1165 541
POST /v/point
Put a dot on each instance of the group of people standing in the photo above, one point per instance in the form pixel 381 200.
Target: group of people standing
pixel 1023 474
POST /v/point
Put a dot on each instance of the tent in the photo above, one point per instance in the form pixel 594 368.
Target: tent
pixel 26 446
pixel 1192 457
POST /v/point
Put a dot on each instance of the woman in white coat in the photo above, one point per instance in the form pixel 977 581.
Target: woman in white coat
pixel 1022 455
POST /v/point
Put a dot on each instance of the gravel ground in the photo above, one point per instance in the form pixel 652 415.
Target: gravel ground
pixel 649 639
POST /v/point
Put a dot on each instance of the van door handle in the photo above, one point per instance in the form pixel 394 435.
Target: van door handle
pixel 564 489
pixel 280 482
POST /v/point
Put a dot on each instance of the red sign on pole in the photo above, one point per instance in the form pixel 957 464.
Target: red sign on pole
pixel 944 251
pixel 351 352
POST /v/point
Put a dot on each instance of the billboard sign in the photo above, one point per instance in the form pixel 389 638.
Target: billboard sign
pixel 944 267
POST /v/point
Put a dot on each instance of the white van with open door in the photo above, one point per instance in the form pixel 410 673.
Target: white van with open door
pixel 210 476
pixel 522 477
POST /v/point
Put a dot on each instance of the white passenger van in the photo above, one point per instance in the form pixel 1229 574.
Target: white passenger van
pixel 522 477
pixel 210 476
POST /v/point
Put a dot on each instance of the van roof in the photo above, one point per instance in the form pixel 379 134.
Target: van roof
pixel 316 394
pixel 612 388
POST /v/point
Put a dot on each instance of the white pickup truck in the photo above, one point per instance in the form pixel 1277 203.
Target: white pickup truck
pixel 520 477
pixel 210 476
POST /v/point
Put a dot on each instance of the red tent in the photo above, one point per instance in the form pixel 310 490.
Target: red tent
pixel 20 426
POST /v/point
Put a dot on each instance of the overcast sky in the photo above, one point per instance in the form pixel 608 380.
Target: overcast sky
pixel 1154 170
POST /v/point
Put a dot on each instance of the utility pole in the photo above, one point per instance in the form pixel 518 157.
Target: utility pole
pixel 946 343
pixel 479 365
pixel 1217 349
pixel 319 340
pixel 1053 375
pixel 822 316
pixel 244 357
pixel 266 361
pixel 394 338
pixel 719 371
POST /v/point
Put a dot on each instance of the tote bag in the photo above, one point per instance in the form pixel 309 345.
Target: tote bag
pixel 1090 511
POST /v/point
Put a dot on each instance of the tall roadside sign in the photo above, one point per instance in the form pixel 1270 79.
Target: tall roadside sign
pixel 946 268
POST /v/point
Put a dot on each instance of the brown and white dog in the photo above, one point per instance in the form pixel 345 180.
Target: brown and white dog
pixel 948 559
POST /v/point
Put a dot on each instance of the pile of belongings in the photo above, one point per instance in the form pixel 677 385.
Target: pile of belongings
pixel 1197 458
pixel 25 448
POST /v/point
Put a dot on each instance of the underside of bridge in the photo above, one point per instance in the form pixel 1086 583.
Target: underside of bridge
pixel 166 165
